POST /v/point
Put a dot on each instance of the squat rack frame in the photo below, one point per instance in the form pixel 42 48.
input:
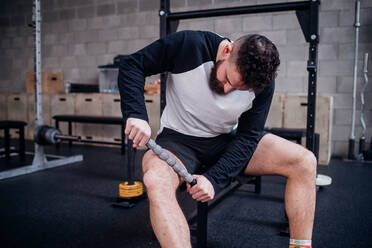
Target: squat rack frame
pixel 307 13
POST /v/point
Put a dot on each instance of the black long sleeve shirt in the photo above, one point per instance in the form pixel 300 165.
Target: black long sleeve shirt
pixel 192 108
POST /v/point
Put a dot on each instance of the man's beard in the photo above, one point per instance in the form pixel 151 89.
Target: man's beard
pixel 214 84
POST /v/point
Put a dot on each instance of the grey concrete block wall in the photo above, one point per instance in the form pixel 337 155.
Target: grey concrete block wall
pixel 78 35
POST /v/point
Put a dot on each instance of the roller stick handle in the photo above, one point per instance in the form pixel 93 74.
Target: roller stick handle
pixel 365 70
pixel 177 167
pixel 193 182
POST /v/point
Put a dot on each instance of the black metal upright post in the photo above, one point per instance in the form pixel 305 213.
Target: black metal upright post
pixel 202 220
pixel 164 28
pixel 312 67
pixel 131 160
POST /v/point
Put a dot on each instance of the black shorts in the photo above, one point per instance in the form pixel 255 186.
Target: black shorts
pixel 194 151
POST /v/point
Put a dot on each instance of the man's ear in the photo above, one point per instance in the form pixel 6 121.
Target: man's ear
pixel 224 50
pixel 227 50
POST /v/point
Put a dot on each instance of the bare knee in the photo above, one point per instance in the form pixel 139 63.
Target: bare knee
pixel 158 177
pixel 305 165
pixel 154 181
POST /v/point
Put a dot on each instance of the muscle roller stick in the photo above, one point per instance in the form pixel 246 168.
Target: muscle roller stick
pixel 177 167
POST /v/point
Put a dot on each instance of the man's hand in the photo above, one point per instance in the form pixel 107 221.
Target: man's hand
pixel 203 190
pixel 138 130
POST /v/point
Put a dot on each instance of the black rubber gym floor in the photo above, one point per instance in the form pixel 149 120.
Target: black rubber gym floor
pixel 70 206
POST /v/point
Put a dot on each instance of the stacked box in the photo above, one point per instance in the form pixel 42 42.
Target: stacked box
pixel 3 107
pixel 275 117
pixel 3 110
pixel 51 82
pixel 295 111
pixel 62 104
pixel 111 108
pixel 90 105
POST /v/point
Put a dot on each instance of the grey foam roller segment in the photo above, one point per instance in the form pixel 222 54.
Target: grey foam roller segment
pixel 164 155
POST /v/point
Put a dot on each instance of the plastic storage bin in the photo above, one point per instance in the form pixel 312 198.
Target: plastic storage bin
pixel 108 79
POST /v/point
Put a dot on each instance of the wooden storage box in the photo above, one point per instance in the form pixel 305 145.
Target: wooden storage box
pixel 151 89
pixel 111 105
pixel 111 108
pixel 275 117
pixel 3 107
pixel 62 104
pixel 51 82
pixel 3 110
pixel 91 105
pixel 17 107
pixel 295 111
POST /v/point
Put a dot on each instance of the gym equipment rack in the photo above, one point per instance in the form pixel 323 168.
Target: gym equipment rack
pixel 307 13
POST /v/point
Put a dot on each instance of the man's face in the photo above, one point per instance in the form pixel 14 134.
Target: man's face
pixel 225 78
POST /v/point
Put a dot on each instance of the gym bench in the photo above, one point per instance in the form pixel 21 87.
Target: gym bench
pixel 201 213
pixel 95 120
pixel 20 125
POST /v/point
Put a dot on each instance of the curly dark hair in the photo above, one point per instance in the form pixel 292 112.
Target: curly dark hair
pixel 257 60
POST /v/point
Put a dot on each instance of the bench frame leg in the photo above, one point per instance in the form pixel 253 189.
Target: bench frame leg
pixel 7 143
pixel 22 144
pixel 202 220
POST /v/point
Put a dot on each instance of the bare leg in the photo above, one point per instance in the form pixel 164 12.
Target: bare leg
pixel 277 156
pixel 167 219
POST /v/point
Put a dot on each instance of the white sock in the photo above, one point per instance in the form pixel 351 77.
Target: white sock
pixel 305 243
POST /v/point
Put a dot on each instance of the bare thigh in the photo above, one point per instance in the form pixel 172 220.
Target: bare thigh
pixel 275 156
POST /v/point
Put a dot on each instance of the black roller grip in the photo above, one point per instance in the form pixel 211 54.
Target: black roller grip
pixel 193 182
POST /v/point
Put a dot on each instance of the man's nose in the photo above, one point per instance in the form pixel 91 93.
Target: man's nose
pixel 227 88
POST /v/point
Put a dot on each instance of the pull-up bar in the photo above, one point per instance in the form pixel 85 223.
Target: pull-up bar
pixel 264 8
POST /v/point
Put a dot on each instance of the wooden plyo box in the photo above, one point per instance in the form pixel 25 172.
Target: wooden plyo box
pixel 3 106
pixel 111 108
pixel 91 105
pixel 17 107
pixel 151 89
pixel 62 104
pixel 276 113
pixel 51 82
pixel 295 111
pixel 3 109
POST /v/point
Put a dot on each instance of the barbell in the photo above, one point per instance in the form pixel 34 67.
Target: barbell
pixel 46 135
